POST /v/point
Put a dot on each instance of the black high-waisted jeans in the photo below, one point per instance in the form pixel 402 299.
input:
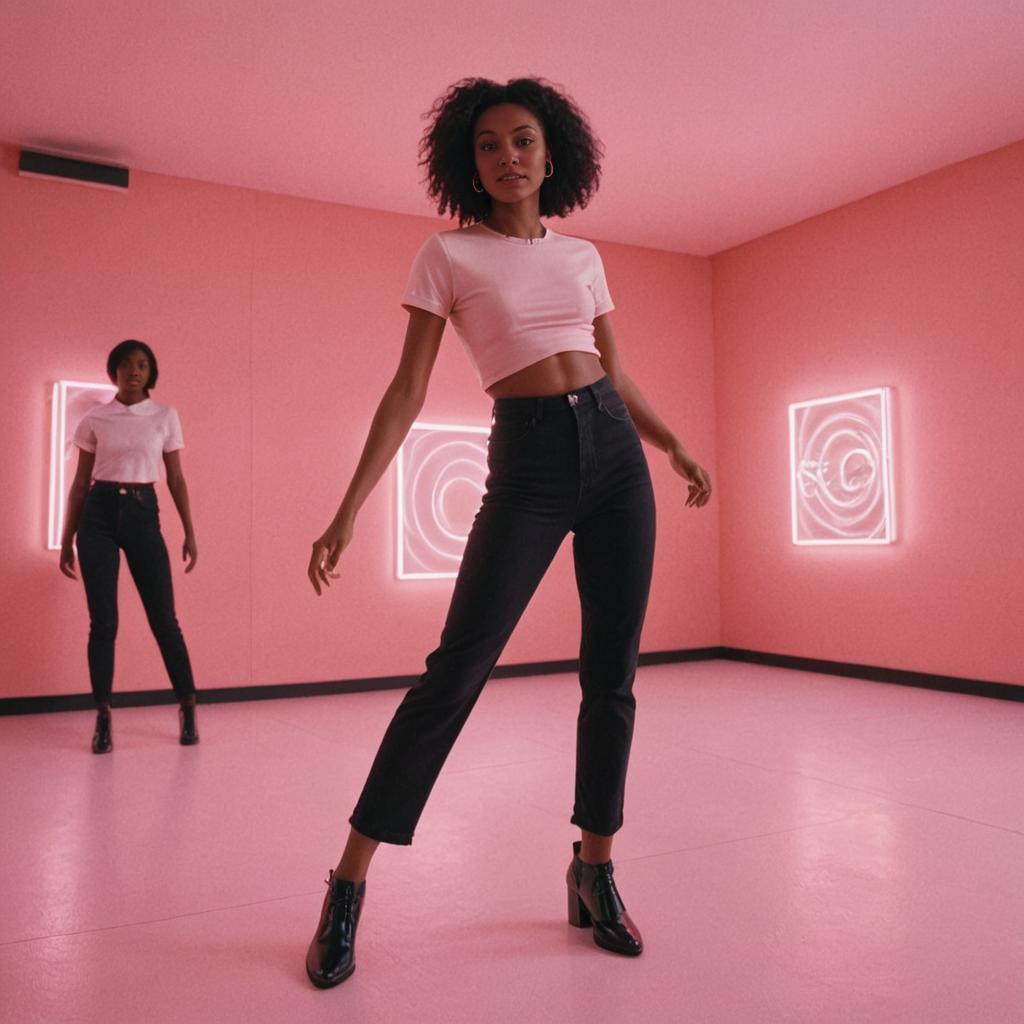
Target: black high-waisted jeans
pixel 569 462
pixel 117 517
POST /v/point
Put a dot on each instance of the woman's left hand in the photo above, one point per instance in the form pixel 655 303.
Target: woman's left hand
pixel 189 553
pixel 700 482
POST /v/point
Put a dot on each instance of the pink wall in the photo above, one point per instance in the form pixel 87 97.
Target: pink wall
pixel 277 325
pixel 920 288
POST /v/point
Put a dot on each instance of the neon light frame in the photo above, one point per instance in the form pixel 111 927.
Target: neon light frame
pixel 883 394
pixel 400 571
pixel 58 442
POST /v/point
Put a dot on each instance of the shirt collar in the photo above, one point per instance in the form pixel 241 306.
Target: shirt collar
pixel 143 408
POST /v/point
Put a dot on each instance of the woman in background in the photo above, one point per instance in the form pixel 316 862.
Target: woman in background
pixel 112 506
pixel 531 306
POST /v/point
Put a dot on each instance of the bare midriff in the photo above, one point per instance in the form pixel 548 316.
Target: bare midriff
pixel 554 375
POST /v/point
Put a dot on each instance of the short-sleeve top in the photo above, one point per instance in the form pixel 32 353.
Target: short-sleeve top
pixel 129 440
pixel 512 301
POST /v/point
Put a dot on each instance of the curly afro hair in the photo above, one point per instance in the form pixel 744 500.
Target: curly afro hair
pixel 446 149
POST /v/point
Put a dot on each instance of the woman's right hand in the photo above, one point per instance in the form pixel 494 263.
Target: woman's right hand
pixel 327 550
pixel 67 561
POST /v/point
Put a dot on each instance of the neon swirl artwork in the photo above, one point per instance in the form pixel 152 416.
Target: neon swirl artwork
pixel 441 474
pixel 841 469
pixel 70 402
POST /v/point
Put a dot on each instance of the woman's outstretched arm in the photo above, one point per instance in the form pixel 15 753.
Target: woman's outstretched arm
pixel 648 424
pixel 395 414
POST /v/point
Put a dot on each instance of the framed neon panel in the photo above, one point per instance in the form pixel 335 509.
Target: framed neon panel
pixel 841 471
pixel 441 473
pixel 71 400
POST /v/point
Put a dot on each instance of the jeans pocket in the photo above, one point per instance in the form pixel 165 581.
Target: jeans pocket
pixel 511 430
pixel 614 408
pixel 147 500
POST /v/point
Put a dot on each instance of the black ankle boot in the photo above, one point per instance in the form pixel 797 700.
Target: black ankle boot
pixel 594 900
pixel 332 953
pixel 189 735
pixel 102 741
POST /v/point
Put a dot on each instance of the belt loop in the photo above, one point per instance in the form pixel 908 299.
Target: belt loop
pixel 538 410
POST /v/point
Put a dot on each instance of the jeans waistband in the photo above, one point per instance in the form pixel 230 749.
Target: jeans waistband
pixel 588 395
pixel 112 487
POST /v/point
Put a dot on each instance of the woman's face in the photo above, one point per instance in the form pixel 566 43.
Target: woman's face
pixel 509 151
pixel 133 373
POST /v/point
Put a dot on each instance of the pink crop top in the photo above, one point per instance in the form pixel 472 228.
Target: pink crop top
pixel 512 301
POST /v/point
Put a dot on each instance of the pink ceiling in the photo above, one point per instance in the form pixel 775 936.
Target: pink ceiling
pixel 722 119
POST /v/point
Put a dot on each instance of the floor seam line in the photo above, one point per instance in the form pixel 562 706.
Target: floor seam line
pixel 882 794
pixel 504 764
pixel 959 817
pixel 739 839
pixel 155 920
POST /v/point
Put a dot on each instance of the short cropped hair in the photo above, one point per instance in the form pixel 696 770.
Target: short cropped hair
pixel 126 348
pixel 446 149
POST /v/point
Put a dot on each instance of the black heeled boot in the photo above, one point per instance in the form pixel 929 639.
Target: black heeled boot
pixel 332 953
pixel 102 741
pixel 594 900
pixel 187 715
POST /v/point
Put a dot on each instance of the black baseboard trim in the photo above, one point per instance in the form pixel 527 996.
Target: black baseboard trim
pixel 277 691
pixel 875 674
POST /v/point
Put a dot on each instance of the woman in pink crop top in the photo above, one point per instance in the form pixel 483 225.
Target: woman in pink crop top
pixel 531 306
pixel 112 507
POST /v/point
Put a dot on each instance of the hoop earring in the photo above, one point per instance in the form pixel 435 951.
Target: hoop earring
pixel 547 164
pixel 477 187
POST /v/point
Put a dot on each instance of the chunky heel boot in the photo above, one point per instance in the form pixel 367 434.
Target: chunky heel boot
pixel 187 715
pixel 331 957
pixel 579 916
pixel 102 741
pixel 594 901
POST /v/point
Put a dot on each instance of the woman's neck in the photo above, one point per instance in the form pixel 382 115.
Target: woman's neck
pixel 515 222
pixel 131 399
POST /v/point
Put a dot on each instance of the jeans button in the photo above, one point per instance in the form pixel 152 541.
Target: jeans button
pixel 574 399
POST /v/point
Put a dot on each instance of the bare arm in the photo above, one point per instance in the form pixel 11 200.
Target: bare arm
pixel 403 399
pixel 648 424
pixel 179 491
pixel 73 512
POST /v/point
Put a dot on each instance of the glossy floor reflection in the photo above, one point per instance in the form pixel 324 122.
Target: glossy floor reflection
pixel 797 848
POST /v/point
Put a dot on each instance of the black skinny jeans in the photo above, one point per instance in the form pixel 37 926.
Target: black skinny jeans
pixel 568 462
pixel 117 517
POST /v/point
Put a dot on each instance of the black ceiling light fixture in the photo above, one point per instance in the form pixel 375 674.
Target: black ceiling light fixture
pixel 79 172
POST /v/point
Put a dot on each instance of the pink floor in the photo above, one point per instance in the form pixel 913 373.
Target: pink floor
pixel 798 848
